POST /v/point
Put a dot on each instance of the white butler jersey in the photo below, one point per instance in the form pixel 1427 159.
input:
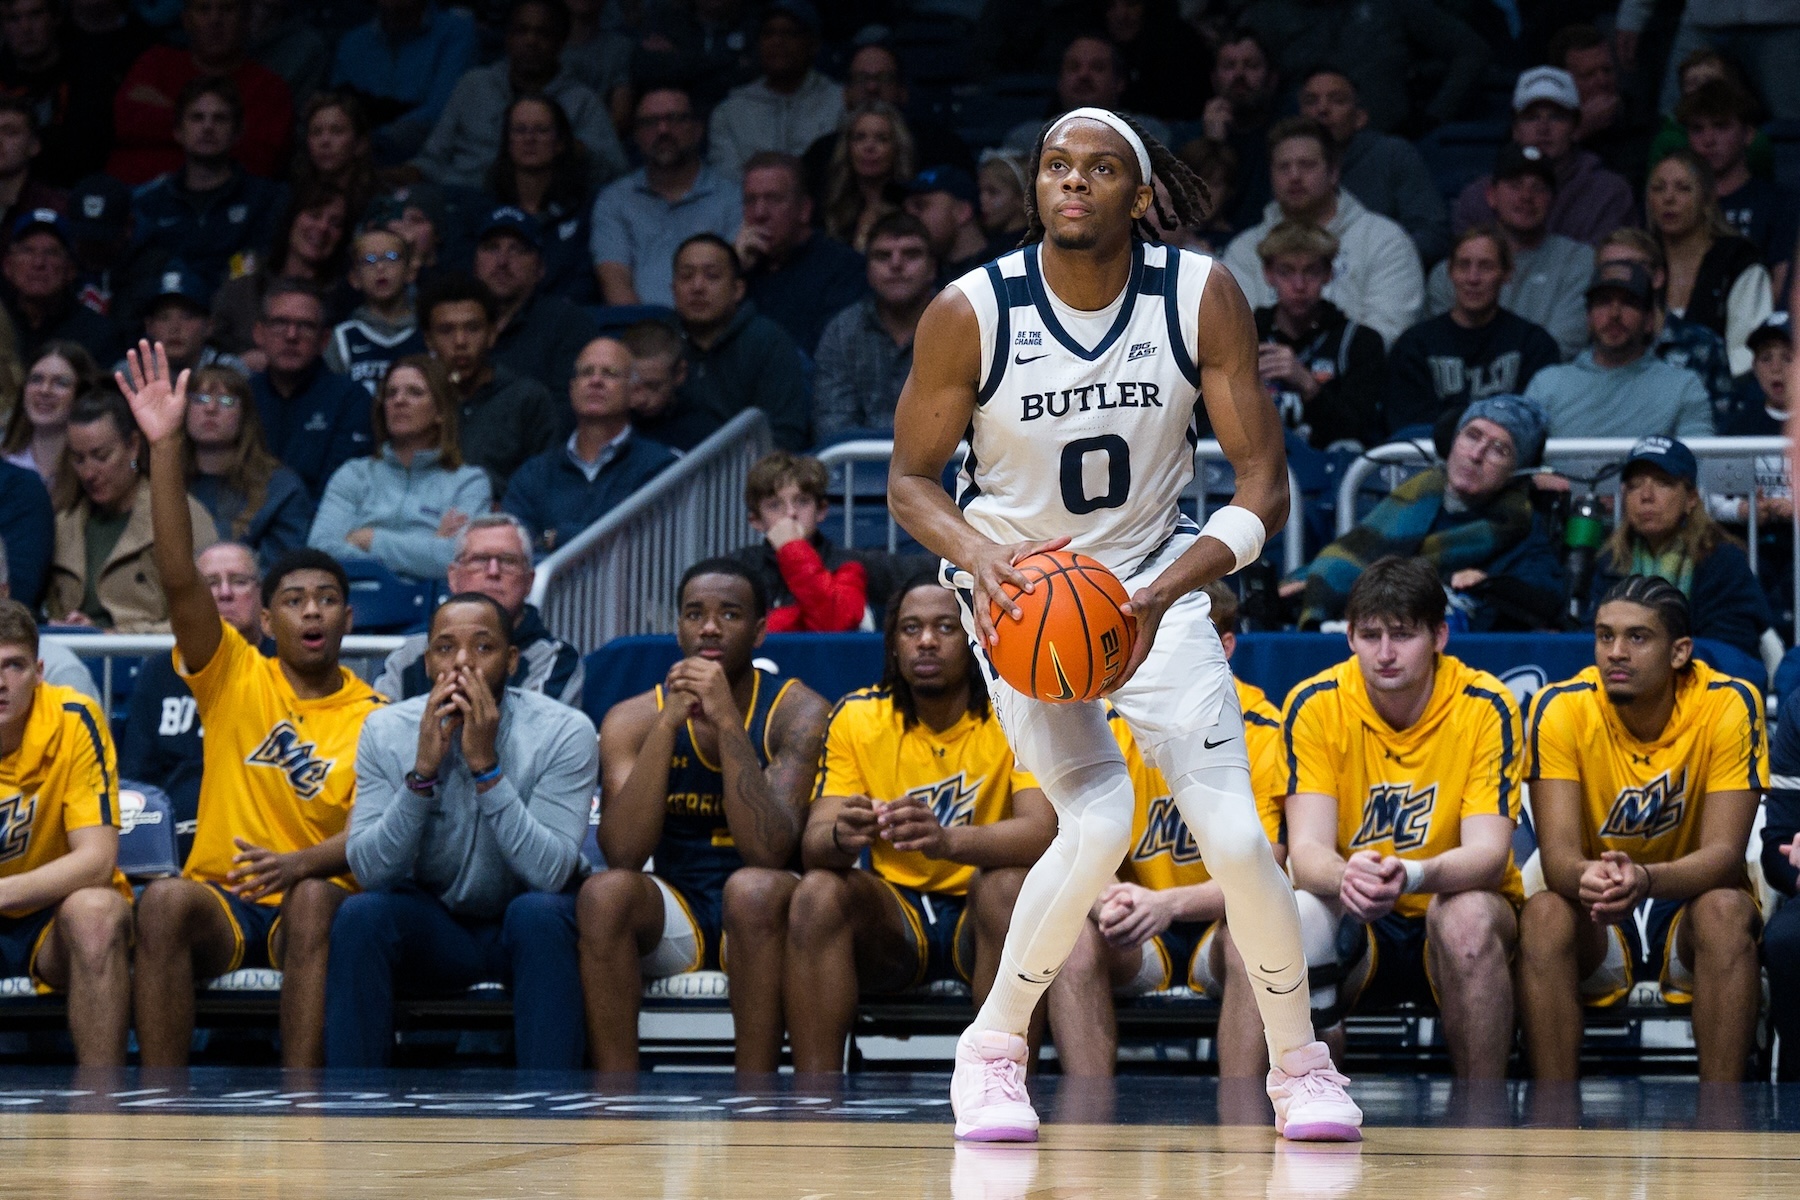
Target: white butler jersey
pixel 1085 423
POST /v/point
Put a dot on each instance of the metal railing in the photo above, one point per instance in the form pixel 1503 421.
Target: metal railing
pixel 618 576
pixel 870 450
pixel 1207 454
pixel 108 646
pixel 1727 465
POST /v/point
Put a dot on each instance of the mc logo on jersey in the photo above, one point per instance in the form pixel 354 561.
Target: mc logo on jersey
pixel 16 813
pixel 1394 813
pixel 951 800
pixel 1650 811
pixel 1166 833
pixel 284 751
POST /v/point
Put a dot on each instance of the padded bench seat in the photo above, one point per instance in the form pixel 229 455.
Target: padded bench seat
pixel 712 987
pixel 687 1018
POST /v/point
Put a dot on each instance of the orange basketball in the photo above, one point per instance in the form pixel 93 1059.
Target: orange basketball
pixel 1073 641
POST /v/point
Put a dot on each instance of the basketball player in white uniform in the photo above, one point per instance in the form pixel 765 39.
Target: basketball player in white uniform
pixel 1076 366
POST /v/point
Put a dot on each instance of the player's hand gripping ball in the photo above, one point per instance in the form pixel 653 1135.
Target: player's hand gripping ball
pixel 1073 641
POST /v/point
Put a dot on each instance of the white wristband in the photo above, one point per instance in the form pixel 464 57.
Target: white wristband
pixel 1415 875
pixel 1242 532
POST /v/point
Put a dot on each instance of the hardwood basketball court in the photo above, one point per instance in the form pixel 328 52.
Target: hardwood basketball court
pixel 684 1136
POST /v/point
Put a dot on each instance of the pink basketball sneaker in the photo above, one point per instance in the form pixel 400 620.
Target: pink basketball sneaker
pixel 1310 1102
pixel 987 1092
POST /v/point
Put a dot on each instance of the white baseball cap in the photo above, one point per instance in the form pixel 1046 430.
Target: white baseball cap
pixel 1546 83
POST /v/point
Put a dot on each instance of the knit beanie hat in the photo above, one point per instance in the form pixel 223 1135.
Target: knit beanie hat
pixel 1521 417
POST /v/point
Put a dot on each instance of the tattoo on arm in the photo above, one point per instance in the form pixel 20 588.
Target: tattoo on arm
pixel 775 797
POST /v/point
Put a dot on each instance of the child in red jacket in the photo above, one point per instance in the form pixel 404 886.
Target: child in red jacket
pixel 814 586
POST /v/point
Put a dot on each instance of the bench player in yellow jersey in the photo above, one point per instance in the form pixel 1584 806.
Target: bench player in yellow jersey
pixel 65 911
pixel 920 791
pixel 1163 924
pixel 267 870
pixel 1646 772
pixel 1405 769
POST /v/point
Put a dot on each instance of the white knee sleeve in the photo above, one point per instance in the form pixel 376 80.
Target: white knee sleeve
pixel 1318 930
pixel 1318 934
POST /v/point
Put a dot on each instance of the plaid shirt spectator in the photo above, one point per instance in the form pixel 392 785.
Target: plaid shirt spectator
pixel 860 373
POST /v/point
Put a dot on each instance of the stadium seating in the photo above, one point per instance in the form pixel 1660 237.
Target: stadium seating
pixel 147 847
pixel 384 602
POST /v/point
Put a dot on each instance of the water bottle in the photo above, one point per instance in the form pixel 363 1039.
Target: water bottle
pixel 1583 534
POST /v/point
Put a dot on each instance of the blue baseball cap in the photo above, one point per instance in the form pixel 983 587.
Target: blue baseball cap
pixel 514 222
pixel 1776 327
pixel 944 178
pixel 45 218
pixel 177 282
pixel 1667 455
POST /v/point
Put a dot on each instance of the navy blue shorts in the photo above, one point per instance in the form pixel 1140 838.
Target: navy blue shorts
pixel 253 925
pixel 1178 943
pixel 20 940
pixel 942 937
pixel 1638 953
pixel 693 937
pixel 1397 972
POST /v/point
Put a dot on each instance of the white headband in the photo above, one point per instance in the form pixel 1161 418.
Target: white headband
pixel 1113 122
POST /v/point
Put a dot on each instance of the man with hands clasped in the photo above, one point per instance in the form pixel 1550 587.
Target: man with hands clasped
pixel 1404 787
pixel 471 805
pixel 267 870
pixel 1646 770
pixel 708 773
pixel 918 839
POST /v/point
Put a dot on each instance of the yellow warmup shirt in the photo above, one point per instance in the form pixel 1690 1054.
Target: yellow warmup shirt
pixel 63 776
pixel 1163 853
pixel 279 771
pixel 1405 792
pixel 966 775
pixel 1644 798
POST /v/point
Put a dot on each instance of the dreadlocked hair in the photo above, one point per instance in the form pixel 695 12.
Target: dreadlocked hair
pixel 895 682
pixel 1190 200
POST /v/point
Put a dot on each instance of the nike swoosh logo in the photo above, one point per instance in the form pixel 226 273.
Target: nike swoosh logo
pixel 1271 988
pixel 1020 360
pixel 1215 745
pixel 1062 680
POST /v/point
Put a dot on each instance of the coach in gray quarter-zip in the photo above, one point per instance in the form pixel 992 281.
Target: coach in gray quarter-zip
pixel 472 802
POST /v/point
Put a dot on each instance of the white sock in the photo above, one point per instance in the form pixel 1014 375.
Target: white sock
pixel 1220 811
pixel 1094 807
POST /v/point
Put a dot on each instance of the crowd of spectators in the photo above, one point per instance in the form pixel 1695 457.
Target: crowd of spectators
pixel 755 202
pixel 595 233
pixel 451 188
pixel 452 282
